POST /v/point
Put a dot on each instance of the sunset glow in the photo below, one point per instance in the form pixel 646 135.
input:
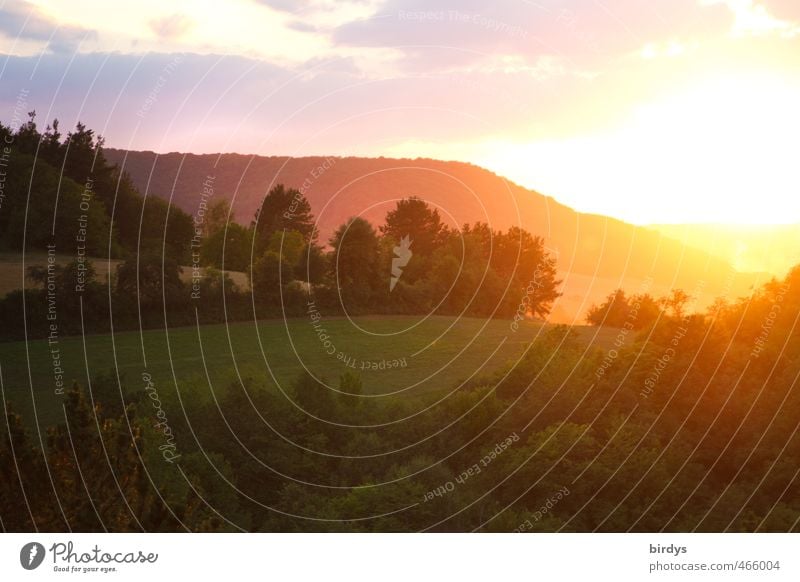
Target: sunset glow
pixel 675 112
pixel 402 266
pixel 722 151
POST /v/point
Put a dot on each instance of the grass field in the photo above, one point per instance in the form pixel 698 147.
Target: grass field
pixel 391 356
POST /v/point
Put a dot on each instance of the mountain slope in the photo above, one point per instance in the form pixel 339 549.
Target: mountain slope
pixel 595 253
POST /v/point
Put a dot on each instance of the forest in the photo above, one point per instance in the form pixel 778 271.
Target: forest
pixel 95 211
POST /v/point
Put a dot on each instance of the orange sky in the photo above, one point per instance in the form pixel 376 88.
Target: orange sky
pixel 653 112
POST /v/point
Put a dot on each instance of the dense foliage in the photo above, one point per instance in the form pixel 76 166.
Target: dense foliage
pixel 688 424
pixel 175 267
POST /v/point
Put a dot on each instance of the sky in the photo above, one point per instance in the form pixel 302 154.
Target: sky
pixel 665 111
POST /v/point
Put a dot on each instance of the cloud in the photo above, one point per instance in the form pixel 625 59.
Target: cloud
pixel 534 72
pixel 297 6
pixel 443 31
pixel 783 9
pixel 171 26
pixel 301 26
pixel 286 5
pixel 208 103
pixel 752 18
pixel 21 20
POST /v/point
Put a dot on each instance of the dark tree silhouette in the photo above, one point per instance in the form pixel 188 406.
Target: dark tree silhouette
pixel 282 209
pixel 414 218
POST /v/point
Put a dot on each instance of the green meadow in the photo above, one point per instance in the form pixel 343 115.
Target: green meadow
pixel 395 356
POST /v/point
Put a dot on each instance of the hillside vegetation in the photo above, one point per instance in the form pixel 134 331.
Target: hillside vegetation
pixel 609 252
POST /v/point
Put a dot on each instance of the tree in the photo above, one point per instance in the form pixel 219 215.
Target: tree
pixel 522 258
pixel 218 216
pixel 51 147
pixel 82 153
pixel 151 280
pixel 31 188
pixel 457 272
pixel 90 476
pixel 350 383
pixel 289 245
pixel 169 227
pixel 6 136
pixel 355 262
pixel 228 246
pixel 312 395
pixel 613 312
pixel 637 312
pixel 414 218
pixel 269 274
pixel 676 302
pixel 282 209
pixel 26 496
pixel 314 265
pixel 647 310
pixel 27 137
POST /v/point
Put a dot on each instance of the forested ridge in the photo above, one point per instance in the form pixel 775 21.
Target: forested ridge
pixel 96 212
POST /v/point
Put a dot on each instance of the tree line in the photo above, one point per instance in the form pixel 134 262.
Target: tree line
pixel 63 197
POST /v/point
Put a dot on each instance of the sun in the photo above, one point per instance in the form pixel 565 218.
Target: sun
pixel 720 151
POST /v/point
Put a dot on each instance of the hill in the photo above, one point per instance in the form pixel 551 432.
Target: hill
pixel 595 253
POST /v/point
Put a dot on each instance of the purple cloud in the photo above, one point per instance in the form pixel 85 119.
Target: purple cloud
pixel 22 20
pixel 578 30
